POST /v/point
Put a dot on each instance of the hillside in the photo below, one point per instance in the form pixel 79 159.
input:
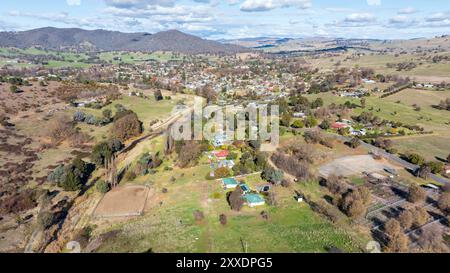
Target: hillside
pixel 103 40
pixel 276 45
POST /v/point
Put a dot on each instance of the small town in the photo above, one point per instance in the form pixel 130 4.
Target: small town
pixel 141 139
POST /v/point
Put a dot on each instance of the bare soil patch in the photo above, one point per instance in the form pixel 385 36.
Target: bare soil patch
pixel 352 165
pixel 124 201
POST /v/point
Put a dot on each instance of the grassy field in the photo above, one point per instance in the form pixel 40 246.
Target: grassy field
pixel 136 57
pixel 433 119
pixel 424 70
pixel 169 225
pixel 430 146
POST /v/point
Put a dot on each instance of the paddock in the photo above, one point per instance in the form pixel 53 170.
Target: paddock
pixel 125 201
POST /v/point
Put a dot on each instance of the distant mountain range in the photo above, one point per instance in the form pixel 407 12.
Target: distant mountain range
pixel 103 40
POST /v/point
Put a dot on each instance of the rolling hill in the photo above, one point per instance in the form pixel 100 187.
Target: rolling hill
pixel 103 40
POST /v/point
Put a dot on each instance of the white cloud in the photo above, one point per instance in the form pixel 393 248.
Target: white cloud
pixel 128 4
pixel 266 5
pixel 401 21
pixel 360 17
pixel 437 17
pixel 73 2
pixel 374 2
pixel 408 10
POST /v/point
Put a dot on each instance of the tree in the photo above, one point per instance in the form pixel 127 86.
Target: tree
pixel 431 240
pixel 310 121
pixel 420 216
pixel 406 219
pixel 158 95
pixel 325 125
pixel 222 172
pixel 436 167
pixel 352 204
pixel 72 181
pixel 298 124
pixel 397 240
pixel 223 219
pixel 188 153
pixel 416 194
pixel 102 186
pixel 335 184
pixel 363 103
pixel 273 176
pixel 416 159
pixel 76 174
pixel 127 127
pixel 13 89
pixel 57 176
pixel 444 202
pixel 424 171
pixel 45 219
pixel 354 143
pixel 100 153
pixel 107 114
pixel 79 116
pixel 235 199
pixel 392 228
pixel 317 103
pixel 285 119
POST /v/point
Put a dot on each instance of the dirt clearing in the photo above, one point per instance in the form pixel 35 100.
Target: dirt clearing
pixel 352 165
pixel 123 202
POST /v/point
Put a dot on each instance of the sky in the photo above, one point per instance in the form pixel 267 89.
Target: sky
pixel 231 19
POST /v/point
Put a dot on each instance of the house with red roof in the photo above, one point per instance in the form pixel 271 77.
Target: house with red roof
pixel 221 154
pixel 339 125
pixel 447 169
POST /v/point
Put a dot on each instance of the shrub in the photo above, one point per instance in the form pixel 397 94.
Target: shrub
pixel 298 124
pixel 235 199
pixel 353 203
pixel 416 194
pixel 310 122
pixel 130 175
pixel 397 240
pixel 416 159
pixel 444 202
pixel 57 175
pixel 127 126
pixel 273 176
pixel 325 125
pixel 45 219
pixel 79 116
pixel 198 215
pixel 100 153
pixel 222 172
pixel 223 219
pixel 102 186
pixel 354 143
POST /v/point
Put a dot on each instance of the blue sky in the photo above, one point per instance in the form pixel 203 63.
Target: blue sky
pixel 217 19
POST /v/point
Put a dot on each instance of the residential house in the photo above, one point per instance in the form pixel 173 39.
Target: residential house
pixel 220 139
pixel 253 200
pixel 447 169
pixel 226 164
pixel 229 183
